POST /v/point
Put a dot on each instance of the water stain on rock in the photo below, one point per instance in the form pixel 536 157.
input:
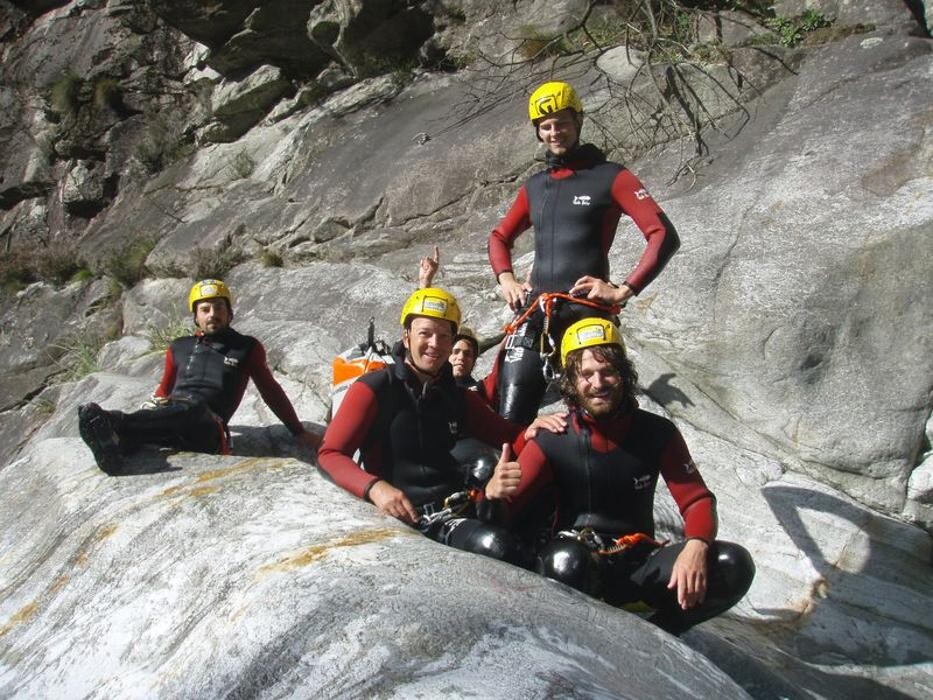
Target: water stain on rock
pixel 22 615
pixel 319 551
pixel 199 489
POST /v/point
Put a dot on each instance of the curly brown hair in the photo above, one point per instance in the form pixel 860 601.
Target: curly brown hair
pixel 615 356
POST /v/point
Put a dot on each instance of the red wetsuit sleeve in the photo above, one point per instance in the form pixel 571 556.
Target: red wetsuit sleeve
pixel 659 232
pixel 167 383
pixel 536 474
pixel 503 236
pixel 345 435
pixel 485 424
pixel 270 390
pixel 696 502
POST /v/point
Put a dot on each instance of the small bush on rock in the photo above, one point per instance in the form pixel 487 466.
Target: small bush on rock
pixel 64 94
pixel 79 355
pixel 55 264
pixel 128 265
pixel 107 94
pixel 243 164
pixel 791 31
pixel 207 262
pixel 270 258
pixel 160 337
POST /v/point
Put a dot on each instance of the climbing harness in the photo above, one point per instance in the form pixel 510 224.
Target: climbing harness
pixel 546 302
pixel 455 504
pixel 598 545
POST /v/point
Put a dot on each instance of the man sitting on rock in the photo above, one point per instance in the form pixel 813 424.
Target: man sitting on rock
pixel 202 385
pixel 603 471
pixel 406 419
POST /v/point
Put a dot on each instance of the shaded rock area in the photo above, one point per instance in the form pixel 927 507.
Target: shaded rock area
pixel 310 154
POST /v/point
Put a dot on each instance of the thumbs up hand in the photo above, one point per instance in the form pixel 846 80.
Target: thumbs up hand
pixel 505 478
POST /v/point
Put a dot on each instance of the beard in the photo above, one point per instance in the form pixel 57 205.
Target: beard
pixel 601 404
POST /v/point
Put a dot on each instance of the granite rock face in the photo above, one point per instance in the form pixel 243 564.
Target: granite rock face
pixel 261 142
pixel 253 575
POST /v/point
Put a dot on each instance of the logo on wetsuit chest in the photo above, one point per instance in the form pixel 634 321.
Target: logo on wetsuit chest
pixel 582 200
pixel 641 482
pixel 454 427
pixel 231 362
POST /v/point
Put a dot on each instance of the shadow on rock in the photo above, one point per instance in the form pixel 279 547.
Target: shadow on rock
pixel 875 571
pixel 147 460
pixel 665 394
pixel 271 441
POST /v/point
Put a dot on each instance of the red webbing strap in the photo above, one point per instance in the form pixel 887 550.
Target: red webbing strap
pixel 546 302
pixel 620 544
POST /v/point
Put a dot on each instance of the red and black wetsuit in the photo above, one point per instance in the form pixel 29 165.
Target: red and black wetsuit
pixel 603 476
pixel 204 379
pixel 216 369
pixel 574 206
pixel 405 432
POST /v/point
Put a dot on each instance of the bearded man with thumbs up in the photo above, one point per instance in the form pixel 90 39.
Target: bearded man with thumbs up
pixel 405 421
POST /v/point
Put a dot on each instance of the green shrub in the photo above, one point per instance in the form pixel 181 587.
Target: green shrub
pixel 533 45
pixel 216 263
pixel 270 258
pixel 107 93
pixel 64 94
pixel 56 264
pixel 79 357
pixel 82 274
pixel 243 164
pixel 791 31
pixel 128 265
pixel 160 337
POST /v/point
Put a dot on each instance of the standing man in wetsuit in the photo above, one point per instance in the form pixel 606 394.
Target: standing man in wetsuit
pixel 203 382
pixel 406 419
pixel 602 472
pixel 574 207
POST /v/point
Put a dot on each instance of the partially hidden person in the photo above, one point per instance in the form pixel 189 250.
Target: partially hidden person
pixel 203 382
pixel 602 473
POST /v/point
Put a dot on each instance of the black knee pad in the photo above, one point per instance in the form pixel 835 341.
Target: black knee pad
pixel 477 460
pixel 735 568
pixel 479 538
pixel 570 562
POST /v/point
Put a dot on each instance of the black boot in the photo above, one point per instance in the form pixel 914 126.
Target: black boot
pixel 97 431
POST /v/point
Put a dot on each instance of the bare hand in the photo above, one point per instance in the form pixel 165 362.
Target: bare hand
pixel 512 291
pixel 552 422
pixel 427 268
pixel 393 501
pixel 308 439
pixel 689 574
pixel 505 478
pixel 526 285
pixel 601 291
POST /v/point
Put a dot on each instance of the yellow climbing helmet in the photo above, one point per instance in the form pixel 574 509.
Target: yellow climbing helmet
pixel 432 302
pixel 552 97
pixel 209 289
pixel 587 333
